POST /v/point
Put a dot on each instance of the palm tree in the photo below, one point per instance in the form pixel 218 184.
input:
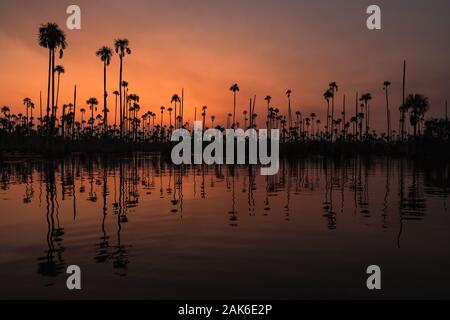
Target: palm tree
pixel 333 89
pixel 313 117
pixel 27 102
pixel 327 96
pixel 31 115
pixel 204 108
pixel 125 103
pixel 234 88
pixel 162 115
pixel 59 69
pixel 386 85
pixel 52 38
pixel 7 114
pixel 175 99
pixel 366 98
pixel 92 102
pixel 419 105
pixel 82 111
pixel 122 49
pixel 268 99
pixel 116 93
pixel 213 118
pixel 170 116
pixel 105 54
pixel 288 94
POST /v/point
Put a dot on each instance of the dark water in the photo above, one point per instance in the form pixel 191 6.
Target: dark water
pixel 141 228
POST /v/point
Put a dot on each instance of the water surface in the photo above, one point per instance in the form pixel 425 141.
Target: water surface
pixel 141 228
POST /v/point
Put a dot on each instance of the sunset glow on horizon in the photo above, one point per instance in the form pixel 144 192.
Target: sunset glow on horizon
pixel 204 46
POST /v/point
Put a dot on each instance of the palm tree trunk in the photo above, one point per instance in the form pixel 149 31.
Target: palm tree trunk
pixel 57 90
pixel 120 92
pixel 74 111
pixel 48 89
pixel 403 102
pixel 332 116
pixel 115 113
pixel 387 115
pixel 105 113
pixel 53 93
pixel 234 111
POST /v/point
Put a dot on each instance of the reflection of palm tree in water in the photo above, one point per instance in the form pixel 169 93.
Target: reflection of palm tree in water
pixel 412 207
pixel 328 203
pixel 49 265
pixel 251 188
pixel 386 195
pixel 103 254
pixel 287 176
pixel 233 213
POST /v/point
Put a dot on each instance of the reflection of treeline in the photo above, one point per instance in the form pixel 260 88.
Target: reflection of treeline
pixel 347 186
pixel 120 183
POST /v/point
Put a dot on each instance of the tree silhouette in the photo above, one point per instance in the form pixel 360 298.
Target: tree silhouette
pixel 105 54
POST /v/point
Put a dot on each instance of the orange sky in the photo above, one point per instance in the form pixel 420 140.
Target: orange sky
pixel 205 46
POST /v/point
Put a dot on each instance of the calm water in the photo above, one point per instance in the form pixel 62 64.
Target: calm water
pixel 141 228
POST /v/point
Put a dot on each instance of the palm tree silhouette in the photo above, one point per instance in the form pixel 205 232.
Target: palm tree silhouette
pixel 27 103
pixel 366 98
pixel 386 85
pixel 116 93
pixel 52 38
pixel 105 54
pixel 288 94
pixel 92 102
pixel 419 105
pixel 83 111
pixel 268 99
pixel 333 89
pixel 122 49
pixel 204 108
pixel 175 99
pixel 59 69
pixel 234 88
pixel 327 96
pixel 162 114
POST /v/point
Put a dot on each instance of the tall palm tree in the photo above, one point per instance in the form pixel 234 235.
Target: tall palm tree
pixel 59 69
pixel 234 88
pixel 122 48
pixel 204 108
pixel 116 93
pixel 333 89
pixel 162 115
pixel 125 103
pixel 31 115
pixel 52 38
pixel 313 118
pixel 365 98
pixel 327 96
pixel 268 99
pixel 27 103
pixel 288 94
pixel 105 54
pixel 386 85
pixel 92 102
pixel 170 116
pixel 175 99
pixel 82 111
pixel 418 105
